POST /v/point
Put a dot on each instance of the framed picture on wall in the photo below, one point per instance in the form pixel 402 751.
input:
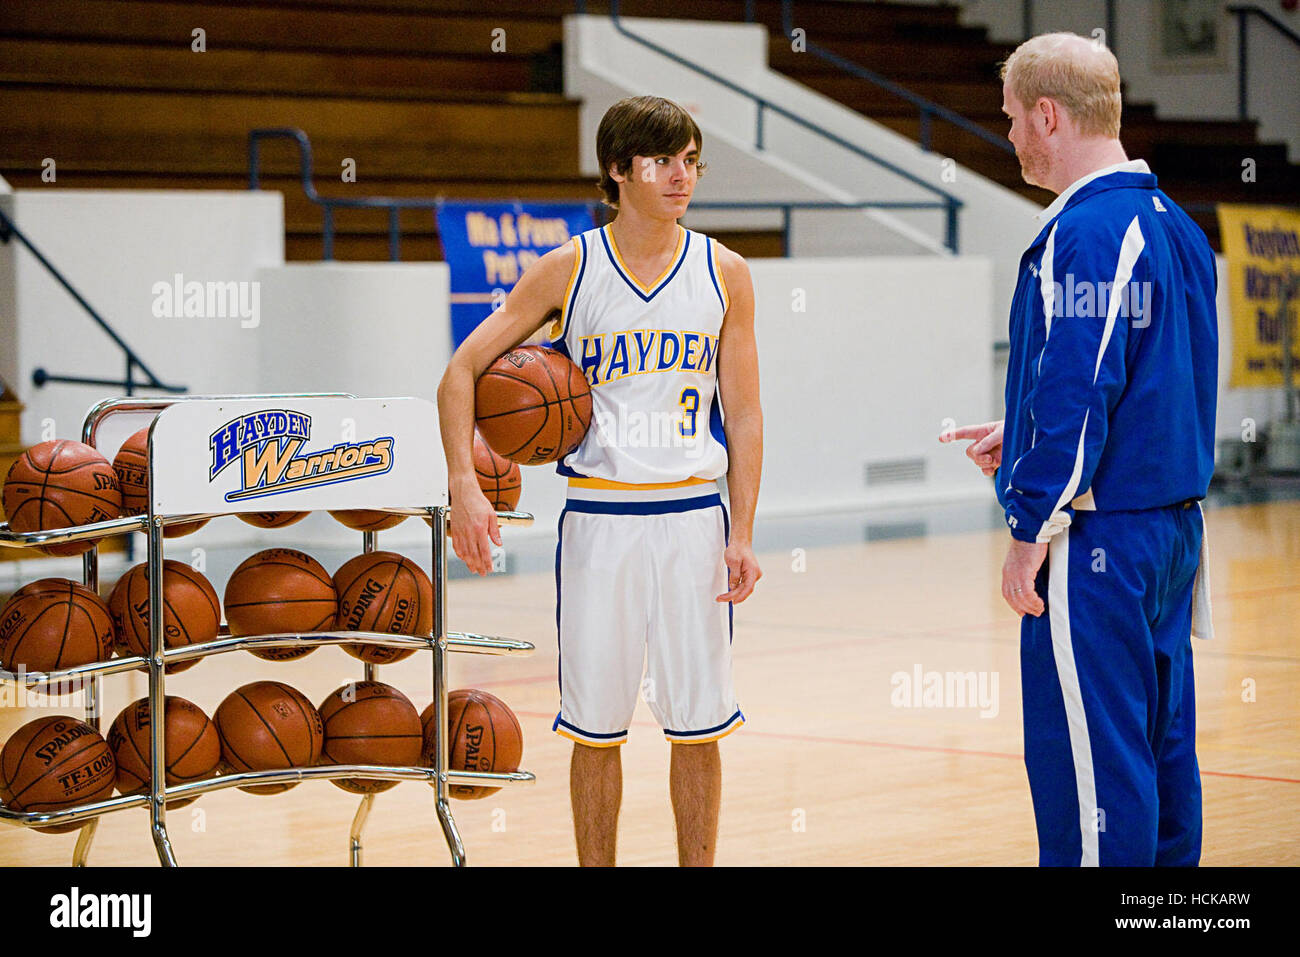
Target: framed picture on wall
pixel 1189 36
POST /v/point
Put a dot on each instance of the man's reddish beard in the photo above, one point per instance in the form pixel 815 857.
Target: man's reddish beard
pixel 1033 161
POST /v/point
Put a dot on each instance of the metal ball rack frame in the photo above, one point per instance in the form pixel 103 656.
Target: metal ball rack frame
pixel 88 676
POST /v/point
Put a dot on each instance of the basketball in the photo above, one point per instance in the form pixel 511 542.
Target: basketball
pixel 191 611
pixel 117 611
pixel 368 520
pixel 383 592
pixel 58 585
pixel 191 746
pixel 498 477
pixel 51 585
pixel 60 484
pixel 483 735
pixel 280 590
pixel 271 519
pixel 533 405
pixel 369 722
pixel 131 464
pixel 265 726
pixel 59 626
pixel 53 763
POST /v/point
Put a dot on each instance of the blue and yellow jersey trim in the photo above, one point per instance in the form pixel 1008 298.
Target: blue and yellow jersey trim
pixel 646 292
pixel 590 738
pixel 559 326
pixel 715 273
pixel 608 497
pixel 708 734
pixel 599 483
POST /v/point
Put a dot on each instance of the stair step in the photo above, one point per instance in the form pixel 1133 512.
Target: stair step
pixel 135 66
pixel 500 134
pixel 934 61
pixel 239 26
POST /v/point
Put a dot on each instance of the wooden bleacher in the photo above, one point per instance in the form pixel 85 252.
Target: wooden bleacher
pixel 414 93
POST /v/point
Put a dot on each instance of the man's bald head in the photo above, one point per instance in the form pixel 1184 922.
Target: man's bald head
pixel 1080 75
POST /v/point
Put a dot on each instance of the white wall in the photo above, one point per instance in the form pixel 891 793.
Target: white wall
pixel 888 348
pixel 113 246
pixel 1206 94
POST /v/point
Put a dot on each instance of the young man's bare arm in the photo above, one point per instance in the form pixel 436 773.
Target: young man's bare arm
pixel 539 292
pixel 743 422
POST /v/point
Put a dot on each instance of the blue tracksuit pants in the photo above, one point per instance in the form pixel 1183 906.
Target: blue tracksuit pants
pixel 1109 702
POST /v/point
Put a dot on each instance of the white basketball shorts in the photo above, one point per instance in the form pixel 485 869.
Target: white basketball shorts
pixel 637 574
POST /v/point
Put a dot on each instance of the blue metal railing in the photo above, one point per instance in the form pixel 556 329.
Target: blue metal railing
pixel 927 109
pixel 1244 12
pixel 130 382
pixel 396 203
pixel 946 201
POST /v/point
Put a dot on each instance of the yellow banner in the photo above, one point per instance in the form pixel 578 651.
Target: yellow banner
pixel 1262 246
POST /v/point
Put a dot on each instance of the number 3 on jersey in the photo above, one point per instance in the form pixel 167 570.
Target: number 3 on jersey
pixel 690 403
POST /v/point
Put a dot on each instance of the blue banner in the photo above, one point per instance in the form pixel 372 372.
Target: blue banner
pixel 489 245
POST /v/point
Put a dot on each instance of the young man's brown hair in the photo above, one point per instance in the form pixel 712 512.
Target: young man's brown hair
pixel 641 126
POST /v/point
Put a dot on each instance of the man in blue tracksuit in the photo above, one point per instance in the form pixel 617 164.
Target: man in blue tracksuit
pixel 1107 447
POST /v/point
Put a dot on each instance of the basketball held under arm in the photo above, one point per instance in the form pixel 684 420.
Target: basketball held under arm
pixel 538 293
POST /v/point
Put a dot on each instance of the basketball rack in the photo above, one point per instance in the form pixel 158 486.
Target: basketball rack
pixel 88 677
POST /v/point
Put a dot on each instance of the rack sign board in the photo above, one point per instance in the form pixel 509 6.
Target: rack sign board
pixel 296 454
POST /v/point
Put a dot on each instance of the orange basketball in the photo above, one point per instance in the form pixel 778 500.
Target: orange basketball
pixel 484 735
pixel 272 519
pixel 265 726
pixel 59 586
pixel 280 590
pixel 54 763
pixel 383 592
pixel 61 484
pixel 132 467
pixel 533 405
pixel 117 610
pixel 191 611
pixel 55 627
pixel 498 477
pixel 368 520
pixel 62 585
pixel 191 746
pixel 369 722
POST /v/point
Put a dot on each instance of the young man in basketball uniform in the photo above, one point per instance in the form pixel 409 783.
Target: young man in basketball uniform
pixel 661 321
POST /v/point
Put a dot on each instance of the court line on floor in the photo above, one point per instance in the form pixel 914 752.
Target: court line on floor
pixel 950 634
pixel 898 746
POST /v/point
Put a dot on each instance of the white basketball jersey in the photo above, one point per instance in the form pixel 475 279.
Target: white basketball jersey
pixel 650 355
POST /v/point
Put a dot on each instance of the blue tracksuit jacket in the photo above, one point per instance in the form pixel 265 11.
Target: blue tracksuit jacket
pixel 1113 369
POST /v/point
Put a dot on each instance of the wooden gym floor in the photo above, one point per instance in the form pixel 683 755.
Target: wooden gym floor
pixel 827 770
